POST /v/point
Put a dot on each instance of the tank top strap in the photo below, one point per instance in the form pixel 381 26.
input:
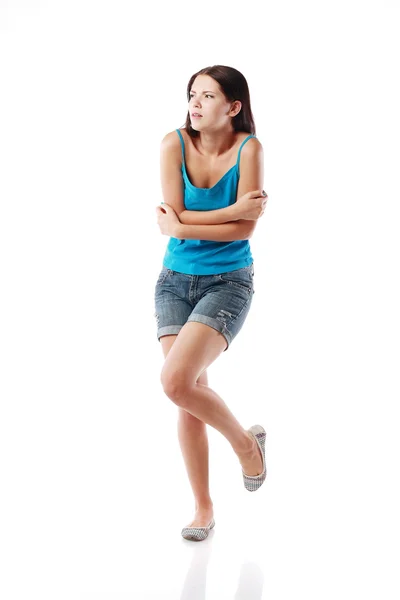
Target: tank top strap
pixel 241 146
pixel 240 149
pixel 182 146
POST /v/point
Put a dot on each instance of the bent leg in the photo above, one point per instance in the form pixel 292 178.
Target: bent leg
pixel 196 347
pixel 193 441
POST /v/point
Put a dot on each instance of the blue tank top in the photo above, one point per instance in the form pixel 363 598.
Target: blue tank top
pixel 206 257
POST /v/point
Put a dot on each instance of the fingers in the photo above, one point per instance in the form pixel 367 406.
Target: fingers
pixel 258 193
pixel 254 194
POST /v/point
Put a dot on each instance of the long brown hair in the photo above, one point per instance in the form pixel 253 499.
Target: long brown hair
pixel 234 87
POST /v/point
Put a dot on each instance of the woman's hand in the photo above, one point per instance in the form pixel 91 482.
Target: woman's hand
pixel 251 206
pixel 167 220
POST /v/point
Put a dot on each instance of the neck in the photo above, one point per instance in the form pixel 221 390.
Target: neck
pixel 214 144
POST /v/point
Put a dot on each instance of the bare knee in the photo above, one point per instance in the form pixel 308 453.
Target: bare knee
pixel 177 385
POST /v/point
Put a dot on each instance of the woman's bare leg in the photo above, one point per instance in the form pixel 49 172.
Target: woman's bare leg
pixel 195 348
pixel 193 441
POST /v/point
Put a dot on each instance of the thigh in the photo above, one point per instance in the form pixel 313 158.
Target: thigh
pixel 167 341
pixel 195 348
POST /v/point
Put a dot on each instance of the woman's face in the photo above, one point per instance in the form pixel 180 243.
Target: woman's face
pixel 207 99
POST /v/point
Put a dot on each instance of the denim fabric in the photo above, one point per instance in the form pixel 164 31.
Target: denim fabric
pixel 221 301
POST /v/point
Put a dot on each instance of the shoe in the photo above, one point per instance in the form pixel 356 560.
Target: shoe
pixel 253 482
pixel 197 534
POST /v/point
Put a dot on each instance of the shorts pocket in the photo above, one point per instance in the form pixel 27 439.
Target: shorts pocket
pixel 163 275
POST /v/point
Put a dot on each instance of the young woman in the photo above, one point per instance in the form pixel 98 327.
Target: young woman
pixel 212 178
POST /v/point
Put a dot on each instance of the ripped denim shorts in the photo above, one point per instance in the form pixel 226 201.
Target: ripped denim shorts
pixel 221 301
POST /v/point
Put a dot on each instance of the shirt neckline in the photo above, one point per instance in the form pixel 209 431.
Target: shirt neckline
pixel 214 186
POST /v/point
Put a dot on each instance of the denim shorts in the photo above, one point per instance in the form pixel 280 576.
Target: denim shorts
pixel 221 301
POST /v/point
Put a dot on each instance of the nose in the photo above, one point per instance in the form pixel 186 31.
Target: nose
pixel 195 103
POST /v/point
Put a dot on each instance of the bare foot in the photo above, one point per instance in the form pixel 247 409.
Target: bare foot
pixel 202 517
pixel 251 461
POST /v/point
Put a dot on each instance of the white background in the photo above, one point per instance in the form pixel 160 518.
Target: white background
pixel 94 490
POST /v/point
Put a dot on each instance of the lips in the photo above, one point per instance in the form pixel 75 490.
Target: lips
pixel 196 115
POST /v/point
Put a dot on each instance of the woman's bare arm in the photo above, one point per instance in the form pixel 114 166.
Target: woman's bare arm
pixel 226 232
pixel 209 217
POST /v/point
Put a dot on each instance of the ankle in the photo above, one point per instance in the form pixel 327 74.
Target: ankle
pixel 246 446
pixel 204 506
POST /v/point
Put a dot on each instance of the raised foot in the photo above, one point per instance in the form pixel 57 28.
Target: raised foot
pixel 251 460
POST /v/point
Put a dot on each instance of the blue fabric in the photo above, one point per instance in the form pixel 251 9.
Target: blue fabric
pixel 206 257
pixel 221 301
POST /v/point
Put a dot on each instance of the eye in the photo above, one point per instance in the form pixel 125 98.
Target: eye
pixel 209 95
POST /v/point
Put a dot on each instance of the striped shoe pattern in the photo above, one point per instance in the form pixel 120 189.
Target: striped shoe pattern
pixel 197 534
pixel 252 483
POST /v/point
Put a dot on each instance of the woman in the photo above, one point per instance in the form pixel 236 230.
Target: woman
pixel 211 177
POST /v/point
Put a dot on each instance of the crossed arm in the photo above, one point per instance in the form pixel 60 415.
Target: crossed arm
pixel 221 225
pixel 224 224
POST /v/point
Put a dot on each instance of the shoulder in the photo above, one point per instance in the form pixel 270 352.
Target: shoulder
pixel 171 140
pixel 171 146
pixel 252 154
pixel 252 147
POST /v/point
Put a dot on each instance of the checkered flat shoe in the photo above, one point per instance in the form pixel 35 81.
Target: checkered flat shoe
pixel 197 534
pixel 252 483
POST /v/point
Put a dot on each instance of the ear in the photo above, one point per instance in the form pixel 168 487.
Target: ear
pixel 236 108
